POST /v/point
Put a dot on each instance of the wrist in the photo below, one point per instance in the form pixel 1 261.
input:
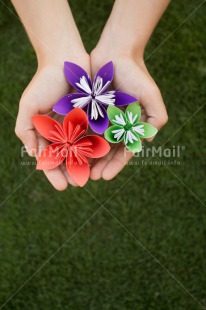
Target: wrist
pixel 57 54
pixel 119 42
pixel 109 50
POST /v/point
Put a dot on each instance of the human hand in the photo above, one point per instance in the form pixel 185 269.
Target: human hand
pixel 47 86
pixel 131 76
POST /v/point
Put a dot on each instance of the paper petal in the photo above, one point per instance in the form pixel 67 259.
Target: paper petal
pixel 49 157
pixel 109 135
pixel 136 146
pixel 74 73
pixel 74 118
pixel 148 130
pixel 123 98
pixel 106 73
pixel 45 124
pixel 64 105
pixel 79 173
pixel 116 116
pixel 101 123
pixel 132 110
pixel 100 147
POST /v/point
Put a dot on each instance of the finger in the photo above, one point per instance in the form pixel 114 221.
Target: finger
pixel 117 163
pixel 155 109
pixel 24 127
pixel 67 176
pixel 55 176
pixel 97 168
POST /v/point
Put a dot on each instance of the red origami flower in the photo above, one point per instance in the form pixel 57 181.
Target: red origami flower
pixel 69 143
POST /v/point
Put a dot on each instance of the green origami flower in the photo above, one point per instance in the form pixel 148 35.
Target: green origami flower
pixel 126 126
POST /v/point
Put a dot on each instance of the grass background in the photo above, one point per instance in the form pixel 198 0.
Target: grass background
pixel 146 249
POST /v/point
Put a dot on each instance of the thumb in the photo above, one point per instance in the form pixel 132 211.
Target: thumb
pixel 24 127
pixel 154 107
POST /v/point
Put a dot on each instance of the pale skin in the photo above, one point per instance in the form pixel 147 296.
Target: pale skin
pixel 55 38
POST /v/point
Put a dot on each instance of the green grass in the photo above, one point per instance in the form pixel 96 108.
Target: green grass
pixel 150 242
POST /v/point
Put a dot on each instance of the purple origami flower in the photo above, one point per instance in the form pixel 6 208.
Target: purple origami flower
pixel 93 98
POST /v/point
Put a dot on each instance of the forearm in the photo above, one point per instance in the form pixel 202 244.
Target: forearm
pixel 132 22
pixel 50 27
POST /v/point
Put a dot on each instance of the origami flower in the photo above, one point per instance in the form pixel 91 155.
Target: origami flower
pixel 126 126
pixel 93 98
pixel 69 143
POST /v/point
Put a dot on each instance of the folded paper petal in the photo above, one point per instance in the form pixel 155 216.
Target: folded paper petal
pixel 99 146
pixel 79 173
pixel 77 77
pixel 69 102
pixel 64 105
pixel 106 73
pixel 123 98
pixel 114 134
pixel 133 113
pixel 45 125
pixel 135 146
pixel 116 116
pixel 76 117
pixel 145 130
pixel 51 157
pixel 100 124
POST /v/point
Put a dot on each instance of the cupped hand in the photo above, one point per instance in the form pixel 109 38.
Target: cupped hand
pixel 47 86
pixel 131 76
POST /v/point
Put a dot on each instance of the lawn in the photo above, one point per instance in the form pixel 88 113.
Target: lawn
pixel 136 242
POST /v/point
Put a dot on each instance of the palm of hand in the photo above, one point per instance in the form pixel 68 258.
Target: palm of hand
pixel 47 86
pixel 131 77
